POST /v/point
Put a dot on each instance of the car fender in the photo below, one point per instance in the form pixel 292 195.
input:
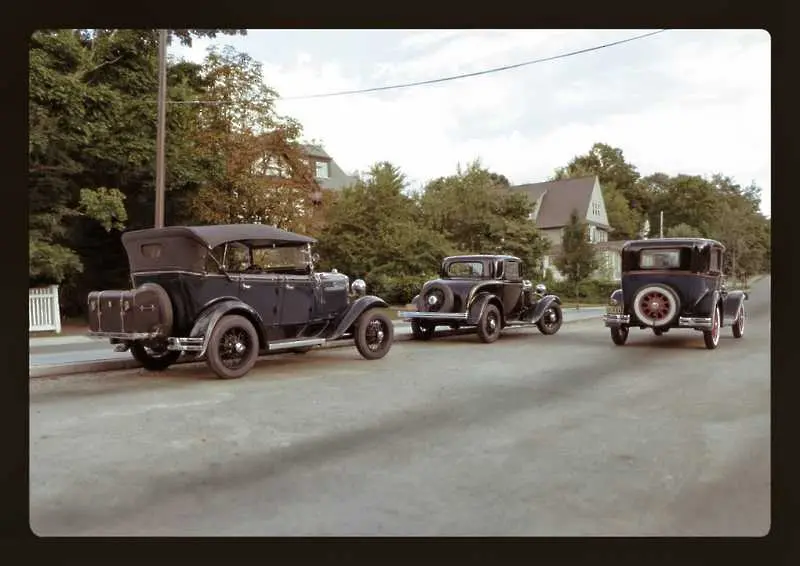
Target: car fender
pixel 478 305
pixel 356 309
pixel 415 302
pixel 731 303
pixel 617 296
pixel 211 315
pixel 542 305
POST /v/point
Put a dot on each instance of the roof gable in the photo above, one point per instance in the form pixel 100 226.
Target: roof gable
pixel 560 198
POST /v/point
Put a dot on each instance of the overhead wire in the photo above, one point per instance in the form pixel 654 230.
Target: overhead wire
pixel 442 79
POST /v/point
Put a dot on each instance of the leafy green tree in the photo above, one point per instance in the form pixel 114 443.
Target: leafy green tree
pixel 477 213
pixel 577 260
pixel 683 231
pixel 374 229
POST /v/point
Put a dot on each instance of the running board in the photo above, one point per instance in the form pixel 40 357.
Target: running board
pixel 291 344
pixel 520 323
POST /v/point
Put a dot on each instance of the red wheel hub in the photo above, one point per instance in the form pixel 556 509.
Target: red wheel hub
pixel 655 305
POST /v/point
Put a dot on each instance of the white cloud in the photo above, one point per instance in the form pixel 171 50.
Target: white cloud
pixel 682 101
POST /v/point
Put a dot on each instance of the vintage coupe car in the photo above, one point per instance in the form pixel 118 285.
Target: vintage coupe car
pixel 230 293
pixel 674 283
pixel 484 291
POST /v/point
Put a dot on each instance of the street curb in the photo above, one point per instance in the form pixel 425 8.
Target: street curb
pixel 118 365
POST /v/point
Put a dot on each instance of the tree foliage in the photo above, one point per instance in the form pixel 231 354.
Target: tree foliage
pixel 577 260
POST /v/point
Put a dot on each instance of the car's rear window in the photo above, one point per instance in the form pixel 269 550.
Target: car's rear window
pixel 465 269
pixel 660 259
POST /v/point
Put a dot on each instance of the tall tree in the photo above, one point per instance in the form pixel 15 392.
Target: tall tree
pixel 476 212
pixel 577 260
pixel 373 228
pixel 257 169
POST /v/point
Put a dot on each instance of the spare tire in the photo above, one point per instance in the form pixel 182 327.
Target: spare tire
pixel 438 298
pixel 656 305
pixel 154 293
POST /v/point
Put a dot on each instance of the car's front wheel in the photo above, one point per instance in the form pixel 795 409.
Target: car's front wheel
pixel 374 334
pixel 551 320
pixel 154 358
pixel 422 330
pixel 490 324
pixel 619 335
pixel 232 347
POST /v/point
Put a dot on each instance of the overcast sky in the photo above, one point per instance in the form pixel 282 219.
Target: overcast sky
pixel 683 101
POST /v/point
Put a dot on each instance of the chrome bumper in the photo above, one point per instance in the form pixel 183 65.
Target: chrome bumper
pixel 695 322
pixel 124 335
pixel 434 315
pixel 616 319
pixel 185 344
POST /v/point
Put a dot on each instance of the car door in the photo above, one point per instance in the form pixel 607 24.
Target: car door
pixel 512 286
pixel 297 306
pixel 263 292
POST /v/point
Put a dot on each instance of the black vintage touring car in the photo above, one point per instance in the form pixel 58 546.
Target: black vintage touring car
pixel 674 283
pixel 230 293
pixel 484 291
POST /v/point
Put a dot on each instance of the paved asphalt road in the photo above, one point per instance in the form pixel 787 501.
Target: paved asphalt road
pixel 81 349
pixel 532 435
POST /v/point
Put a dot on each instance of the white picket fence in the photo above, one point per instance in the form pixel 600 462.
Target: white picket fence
pixel 44 312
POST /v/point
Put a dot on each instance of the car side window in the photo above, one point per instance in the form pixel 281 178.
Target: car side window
pixel 237 258
pixel 290 260
pixel 512 271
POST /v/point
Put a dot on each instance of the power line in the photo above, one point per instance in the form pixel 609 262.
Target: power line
pixel 442 79
pixel 476 73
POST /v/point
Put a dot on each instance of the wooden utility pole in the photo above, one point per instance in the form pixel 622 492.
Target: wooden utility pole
pixel 161 127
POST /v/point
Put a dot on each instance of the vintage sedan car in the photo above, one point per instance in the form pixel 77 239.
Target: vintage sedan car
pixel 230 293
pixel 674 283
pixel 484 291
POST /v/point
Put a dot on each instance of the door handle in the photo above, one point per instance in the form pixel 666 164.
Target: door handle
pixel 290 286
pixel 245 286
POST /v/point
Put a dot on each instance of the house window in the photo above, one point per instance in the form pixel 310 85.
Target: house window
pixel 592 234
pixel 322 170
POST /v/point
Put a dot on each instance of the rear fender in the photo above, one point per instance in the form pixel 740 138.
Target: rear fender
pixel 731 303
pixel 211 315
pixel 356 309
pixel 416 303
pixel 616 297
pixel 478 305
pixel 542 305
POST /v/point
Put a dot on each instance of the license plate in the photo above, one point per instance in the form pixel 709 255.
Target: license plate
pixel 616 309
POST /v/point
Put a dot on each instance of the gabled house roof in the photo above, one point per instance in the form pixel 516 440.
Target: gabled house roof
pixel 337 178
pixel 560 198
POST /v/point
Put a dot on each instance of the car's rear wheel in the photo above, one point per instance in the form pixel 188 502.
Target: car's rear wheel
pixel 155 358
pixel 374 334
pixel 490 324
pixel 619 335
pixel 738 324
pixel 422 330
pixel 232 347
pixel 711 337
pixel 551 320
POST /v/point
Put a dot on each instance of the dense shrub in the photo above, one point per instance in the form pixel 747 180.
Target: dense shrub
pixel 396 289
pixel 590 291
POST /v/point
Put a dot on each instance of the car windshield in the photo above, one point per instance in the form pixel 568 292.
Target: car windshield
pixel 293 257
pixel 465 269
pixel 660 259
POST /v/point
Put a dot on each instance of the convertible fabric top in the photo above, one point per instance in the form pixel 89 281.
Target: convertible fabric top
pixel 216 234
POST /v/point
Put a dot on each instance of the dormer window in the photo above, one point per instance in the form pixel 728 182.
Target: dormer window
pixel 322 171
pixel 596 208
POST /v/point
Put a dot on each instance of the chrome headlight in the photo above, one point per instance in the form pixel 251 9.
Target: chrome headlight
pixel 359 287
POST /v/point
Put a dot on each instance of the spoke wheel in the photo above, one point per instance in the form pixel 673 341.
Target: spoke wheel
pixel 656 305
pixel 233 347
pixel 490 324
pixel 711 337
pixel 551 320
pixel 374 334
